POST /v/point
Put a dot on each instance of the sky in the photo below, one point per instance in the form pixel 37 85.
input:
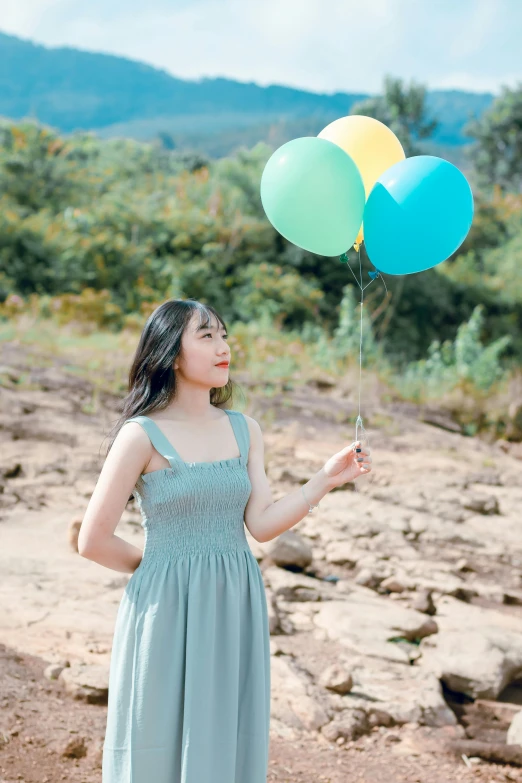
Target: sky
pixel 318 45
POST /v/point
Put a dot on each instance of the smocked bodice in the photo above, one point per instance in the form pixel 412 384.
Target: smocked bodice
pixel 194 507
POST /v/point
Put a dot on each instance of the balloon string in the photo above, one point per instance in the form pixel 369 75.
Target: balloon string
pixel 374 275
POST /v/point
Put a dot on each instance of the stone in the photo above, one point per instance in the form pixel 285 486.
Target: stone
pixel 424 603
pixel 350 725
pixel 367 624
pixel 290 549
pixel 336 678
pixel 87 682
pixel 477 651
pixel 290 703
pixel 480 503
pixel 514 734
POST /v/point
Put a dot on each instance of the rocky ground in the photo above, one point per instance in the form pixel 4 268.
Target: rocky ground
pixel 395 609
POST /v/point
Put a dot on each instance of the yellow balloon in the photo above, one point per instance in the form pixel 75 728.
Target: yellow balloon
pixel 372 146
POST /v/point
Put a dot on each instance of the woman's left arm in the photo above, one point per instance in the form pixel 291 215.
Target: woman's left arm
pixel 265 518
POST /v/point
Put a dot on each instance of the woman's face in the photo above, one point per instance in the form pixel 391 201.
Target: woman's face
pixel 202 350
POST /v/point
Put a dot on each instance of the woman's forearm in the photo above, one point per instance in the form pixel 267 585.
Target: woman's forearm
pixel 113 553
pixel 288 511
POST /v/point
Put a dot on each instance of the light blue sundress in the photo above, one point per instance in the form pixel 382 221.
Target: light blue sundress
pixel 189 683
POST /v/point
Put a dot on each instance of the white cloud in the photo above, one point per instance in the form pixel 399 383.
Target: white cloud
pixel 477 30
pixel 323 45
pixel 23 17
pixel 460 80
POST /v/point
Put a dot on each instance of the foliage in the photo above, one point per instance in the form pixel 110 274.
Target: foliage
pixel 37 169
pixel 132 224
pixel 347 335
pixel 461 361
pixel 497 153
pixel 403 109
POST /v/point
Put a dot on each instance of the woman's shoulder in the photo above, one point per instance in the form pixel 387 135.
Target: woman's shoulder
pixel 253 425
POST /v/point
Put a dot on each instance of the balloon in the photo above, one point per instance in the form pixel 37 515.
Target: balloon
pixel 313 195
pixel 418 213
pixel 371 144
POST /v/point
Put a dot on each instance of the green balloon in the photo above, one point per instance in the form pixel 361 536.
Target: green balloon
pixel 313 194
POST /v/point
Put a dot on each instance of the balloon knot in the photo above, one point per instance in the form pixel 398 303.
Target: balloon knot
pixel 343 259
pixel 357 245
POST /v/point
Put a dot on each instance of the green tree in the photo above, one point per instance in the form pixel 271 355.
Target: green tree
pixel 37 169
pixel 403 109
pixel 497 152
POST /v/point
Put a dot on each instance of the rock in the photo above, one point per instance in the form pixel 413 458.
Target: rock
pixel 472 663
pixel 368 578
pixel 53 671
pixel 73 532
pixel 424 603
pixel 418 524
pixel 490 477
pixel 290 703
pixel 290 549
pixel 366 624
pixel 75 748
pixel 443 583
pixel 398 524
pixel 463 565
pixel 301 621
pixel 350 725
pixel 336 678
pixel 341 553
pixel 439 418
pixel 480 503
pixel 512 597
pixel 291 586
pixel 13 471
pixel 495 752
pixel 87 682
pixel 514 734
pixel 477 651
pixel 380 718
pixel 404 694
pixel 393 585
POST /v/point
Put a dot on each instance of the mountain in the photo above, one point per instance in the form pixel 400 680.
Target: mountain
pixel 73 90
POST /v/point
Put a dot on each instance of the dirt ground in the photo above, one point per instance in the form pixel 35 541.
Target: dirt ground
pixel 55 605
pixel 47 736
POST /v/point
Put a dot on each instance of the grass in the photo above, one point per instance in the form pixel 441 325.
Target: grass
pixel 274 360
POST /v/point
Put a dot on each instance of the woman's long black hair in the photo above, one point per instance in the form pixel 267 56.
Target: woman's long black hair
pixel 152 378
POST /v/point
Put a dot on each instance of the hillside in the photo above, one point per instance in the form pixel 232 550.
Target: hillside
pixel 74 90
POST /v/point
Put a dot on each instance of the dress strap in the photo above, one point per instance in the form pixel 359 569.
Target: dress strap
pixel 158 439
pixel 241 431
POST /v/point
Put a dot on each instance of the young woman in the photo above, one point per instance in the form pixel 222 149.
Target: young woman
pixel 189 685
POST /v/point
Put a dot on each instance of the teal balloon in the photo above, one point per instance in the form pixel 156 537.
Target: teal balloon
pixel 417 214
pixel 313 194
